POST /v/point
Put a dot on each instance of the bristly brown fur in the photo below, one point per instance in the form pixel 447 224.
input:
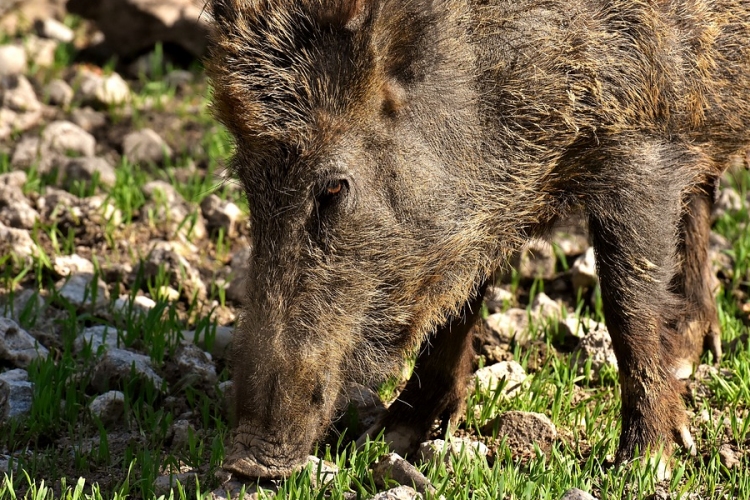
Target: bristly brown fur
pixel 450 131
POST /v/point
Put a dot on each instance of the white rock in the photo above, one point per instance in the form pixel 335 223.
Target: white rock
pixel 64 137
pixel 544 307
pixel 596 345
pixel 17 346
pixel 139 305
pixel 21 110
pixel 191 359
pixel 394 467
pixel 221 339
pixel 108 407
pixel 19 214
pixel 221 214
pixel 509 324
pixel 430 450
pixel 12 60
pixel 59 93
pixel 40 51
pixel 490 377
pixel 522 430
pixel 583 271
pixel 15 179
pixel 537 260
pixel 79 292
pixel 55 30
pixel 19 241
pixel 145 146
pixel 85 169
pixel 118 364
pixel 399 493
pixel 96 336
pixel 16 394
pixel 576 494
pixel 496 298
pixel 26 153
pixel 65 265
pixel 112 90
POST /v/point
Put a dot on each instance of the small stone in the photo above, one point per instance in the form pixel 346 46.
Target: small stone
pixel 15 179
pixel 179 78
pixel 162 259
pixel 576 494
pixel 578 327
pixel 78 290
pixel 17 242
pixel 543 307
pixel 181 432
pixel 12 60
pixel 570 243
pixel 729 201
pixel 58 93
pixel 63 137
pixel 728 457
pixel 537 260
pixel 145 146
pixel 116 365
pixel 65 265
pixel 21 110
pixel 53 29
pixel 490 377
pixel 393 467
pixel 85 169
pixel 167 293
pixel 163 484
pixel 583 271
pixel 139 305
pixel 16 394
pixel 17 346
pixel 522 430
pixel 219 339
pixel 40 51
pixel 108 407
pixel 400 493
pixel 112 90
pixel 496 298
pixel 221 214
pixel 321 471
pixel 88 119
pixel 99 336
pixel 509 324
pixel 19 214
pixel 435 448
pixel 596 345
pixel 193 360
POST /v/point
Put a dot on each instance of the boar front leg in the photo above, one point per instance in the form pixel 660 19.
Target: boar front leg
pixel 635 208
pixel 438 386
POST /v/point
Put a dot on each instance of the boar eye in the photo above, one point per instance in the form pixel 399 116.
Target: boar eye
pixel 331 191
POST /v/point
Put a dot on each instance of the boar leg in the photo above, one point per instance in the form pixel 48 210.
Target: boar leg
pixel 700 328
pixel 438 386
pixel 634 215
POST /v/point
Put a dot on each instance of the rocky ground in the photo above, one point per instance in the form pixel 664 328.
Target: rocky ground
pixel 122 251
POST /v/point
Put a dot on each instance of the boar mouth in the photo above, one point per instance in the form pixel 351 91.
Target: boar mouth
pixel 258 458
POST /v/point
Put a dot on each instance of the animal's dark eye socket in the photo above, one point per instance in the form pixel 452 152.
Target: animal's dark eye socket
pixel 332 189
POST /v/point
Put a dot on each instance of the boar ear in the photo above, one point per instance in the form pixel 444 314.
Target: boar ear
pixel 349 14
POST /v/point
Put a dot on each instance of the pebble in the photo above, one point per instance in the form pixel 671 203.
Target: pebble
pixel 576 494
pixel 509 324
pixel 21 110
pixel 108 407
pixel 53 29
pixel 63 137
pixel 88 118
pixel 112 90
pixel 435 448
pixel 399 493
pixel 116 365
pixel 181 432
pixel 490 377
pixel 728 457
pixel 12 60
pixel 19 214
pixel 15 179
pixel 99 336
pixel 497 298
pixel 182 275
pixel 19 241
pixel 522 430
pixel 596 345
pixel 543 307
pixel 179 78
pixel 78 291
pixel 26 152
pixel 393 467
pixel 221 340
pixel 220 214
pixel 145 146
pixel 85 169
pixel 40 51
pixel 239 266
pixel 59 93
pixel 583 271
pixel 192 360
pixel 65 265
pixel 17 346
pixel 163 484
pixel 16 394
pixel 321 471
pixel 139 305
